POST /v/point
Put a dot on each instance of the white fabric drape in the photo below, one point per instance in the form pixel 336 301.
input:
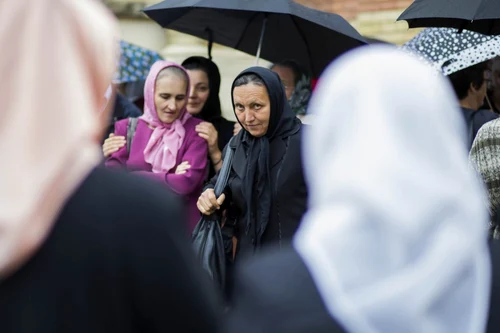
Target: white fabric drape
pixel 396 234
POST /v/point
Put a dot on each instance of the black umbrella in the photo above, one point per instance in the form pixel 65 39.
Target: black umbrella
pixel 273 29
pixel 478 15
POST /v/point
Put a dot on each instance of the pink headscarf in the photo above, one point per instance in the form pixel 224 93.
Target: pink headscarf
pixel 60 58
pixel 166 140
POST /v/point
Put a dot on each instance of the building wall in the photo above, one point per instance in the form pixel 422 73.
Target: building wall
pixel 372 18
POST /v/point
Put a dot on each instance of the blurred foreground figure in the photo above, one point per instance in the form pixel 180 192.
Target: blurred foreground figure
pixel 81 249
pixel 395 238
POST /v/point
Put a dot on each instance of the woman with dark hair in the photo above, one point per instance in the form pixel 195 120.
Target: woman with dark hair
pixel 297 84
pixel 266 188
pixel 470 88
pixel 204 104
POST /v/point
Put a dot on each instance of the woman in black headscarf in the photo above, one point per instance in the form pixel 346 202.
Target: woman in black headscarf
pixel 266 189
pixel 204 103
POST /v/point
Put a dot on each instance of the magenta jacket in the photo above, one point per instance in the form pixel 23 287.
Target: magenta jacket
pixel 194 149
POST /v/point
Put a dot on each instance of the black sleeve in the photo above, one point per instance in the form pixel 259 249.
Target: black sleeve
pixel 288 301
pixel 169 289
pixel 211 182
pixel 225 133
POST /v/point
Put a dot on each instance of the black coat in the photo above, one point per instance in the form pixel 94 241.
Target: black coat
pixel 289 301
pixel 224 130
pixel 117 260
pixel 494 314
pixel 275 293
pixel 475 120
pixel 289 196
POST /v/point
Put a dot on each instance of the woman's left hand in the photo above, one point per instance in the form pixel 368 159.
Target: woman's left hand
pixel 208 132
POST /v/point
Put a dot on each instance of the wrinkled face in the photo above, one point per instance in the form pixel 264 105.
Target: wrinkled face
pixel 287 77
pixel 170 97
pixel 252 108
pixel 200 91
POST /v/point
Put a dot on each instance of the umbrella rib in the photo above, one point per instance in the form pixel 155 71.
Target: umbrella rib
pixel 245 30
pixel 311 63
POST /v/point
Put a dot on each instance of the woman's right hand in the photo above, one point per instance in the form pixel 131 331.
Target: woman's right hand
pixel 112 144
pixel 208 203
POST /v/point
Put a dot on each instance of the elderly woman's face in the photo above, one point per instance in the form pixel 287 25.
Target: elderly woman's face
pixel 170 97
pixel 252 108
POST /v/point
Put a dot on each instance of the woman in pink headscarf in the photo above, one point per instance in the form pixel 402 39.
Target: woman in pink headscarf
pixel 165 146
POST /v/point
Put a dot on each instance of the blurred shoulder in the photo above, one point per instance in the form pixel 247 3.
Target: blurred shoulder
pixel 491 127
pixel 112 195
pixel 287 302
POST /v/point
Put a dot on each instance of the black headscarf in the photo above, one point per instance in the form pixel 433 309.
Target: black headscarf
pixel 256 186
pixel 211 110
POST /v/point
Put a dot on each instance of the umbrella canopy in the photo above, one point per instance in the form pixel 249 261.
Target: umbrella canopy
pixel 477 15
pixel 452 51
pixel 135 63
pixel 311 37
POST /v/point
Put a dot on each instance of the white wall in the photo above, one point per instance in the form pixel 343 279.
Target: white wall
pixel 144 33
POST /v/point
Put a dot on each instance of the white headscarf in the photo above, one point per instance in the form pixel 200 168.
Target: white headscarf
pixel 57 59
pixel 395 237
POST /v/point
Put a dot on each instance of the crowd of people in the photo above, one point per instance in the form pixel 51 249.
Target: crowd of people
pixel 373 218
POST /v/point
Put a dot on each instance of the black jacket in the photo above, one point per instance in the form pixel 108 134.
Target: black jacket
pixel 289 198
pixel 275 293
pixel 475 120
pixel 224 129
pixel 288 301
pixel 117 260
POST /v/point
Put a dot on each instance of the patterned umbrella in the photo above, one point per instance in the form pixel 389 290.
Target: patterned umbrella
pixel 452 51
pixel 135 63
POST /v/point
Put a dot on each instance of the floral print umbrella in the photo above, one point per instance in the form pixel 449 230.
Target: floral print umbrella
pixel 135 63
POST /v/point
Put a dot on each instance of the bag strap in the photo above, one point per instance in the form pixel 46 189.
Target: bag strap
pixel 225 170
pixel 131 127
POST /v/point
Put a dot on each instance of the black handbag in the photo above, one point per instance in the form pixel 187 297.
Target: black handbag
pixel 207 237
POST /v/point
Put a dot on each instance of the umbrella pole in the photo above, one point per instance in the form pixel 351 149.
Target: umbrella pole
pixel 261 40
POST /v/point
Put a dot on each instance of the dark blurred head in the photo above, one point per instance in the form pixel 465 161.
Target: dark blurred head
pixel 205 80
pixel 494 83
pixel 290 73
pixel 470 83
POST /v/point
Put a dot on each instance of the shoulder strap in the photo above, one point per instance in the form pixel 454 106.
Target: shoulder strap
pixel 131 127
pixel 224 172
